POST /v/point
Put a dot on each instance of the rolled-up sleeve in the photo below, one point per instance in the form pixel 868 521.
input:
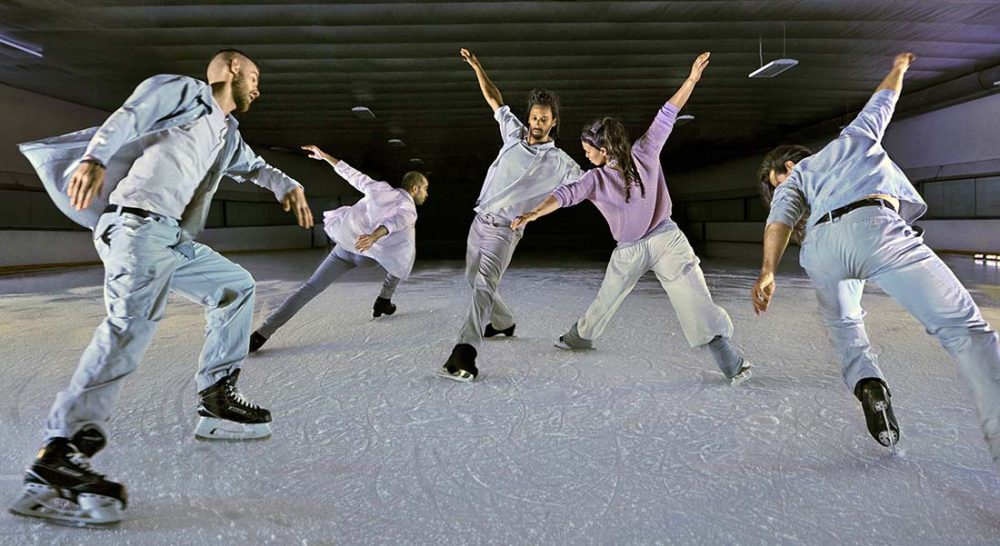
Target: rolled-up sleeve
pixel 788 204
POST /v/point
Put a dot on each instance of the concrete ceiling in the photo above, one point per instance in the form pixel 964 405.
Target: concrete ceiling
pixel 401 60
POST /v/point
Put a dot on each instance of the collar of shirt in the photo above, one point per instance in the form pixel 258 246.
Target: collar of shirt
pixel 542 146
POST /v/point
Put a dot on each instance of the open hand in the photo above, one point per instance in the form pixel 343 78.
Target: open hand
pixel 699 66
pixel 295 201
pixel 86 183
pixel 316 153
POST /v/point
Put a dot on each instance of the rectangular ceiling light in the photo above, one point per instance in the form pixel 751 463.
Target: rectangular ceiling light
pixel 362 112
pixel 30 49
pixel 773 68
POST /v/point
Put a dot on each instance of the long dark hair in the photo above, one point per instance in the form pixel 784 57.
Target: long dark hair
pixel 775 161
pixel 610 134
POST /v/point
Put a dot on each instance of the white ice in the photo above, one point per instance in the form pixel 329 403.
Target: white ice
pixel 640 441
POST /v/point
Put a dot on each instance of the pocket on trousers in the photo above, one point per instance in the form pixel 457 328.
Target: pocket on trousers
pixel 128 294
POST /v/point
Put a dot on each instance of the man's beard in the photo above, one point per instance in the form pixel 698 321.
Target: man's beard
pixel 241 93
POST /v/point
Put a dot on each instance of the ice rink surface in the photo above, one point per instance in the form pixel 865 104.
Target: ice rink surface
pixel 639 442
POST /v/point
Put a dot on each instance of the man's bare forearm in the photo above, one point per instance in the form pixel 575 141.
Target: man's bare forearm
pixel 490 91
pixel 776 238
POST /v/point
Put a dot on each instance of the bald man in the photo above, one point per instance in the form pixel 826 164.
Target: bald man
pixel 163 152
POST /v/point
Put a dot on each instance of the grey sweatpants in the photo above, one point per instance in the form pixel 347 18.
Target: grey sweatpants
pixel 488 252
pixel 338 262
pixel 144 258
pixel 675 264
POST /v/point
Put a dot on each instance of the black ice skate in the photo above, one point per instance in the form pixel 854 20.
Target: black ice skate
pixel 383 307
pixel 874 396
pixel 60 487
pixel 461 365
pixel 256 342
pixel 226 415
pixel 493 332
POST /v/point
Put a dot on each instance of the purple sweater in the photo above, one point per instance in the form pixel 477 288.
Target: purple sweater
pixel 605 186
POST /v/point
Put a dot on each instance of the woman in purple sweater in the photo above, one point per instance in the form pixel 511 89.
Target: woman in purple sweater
pixel 629 189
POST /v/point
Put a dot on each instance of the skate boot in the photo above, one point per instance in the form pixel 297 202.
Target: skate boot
pixel 89 440
pixel 874 396
pixel 256 341
pixel 571 341
pixel 742 375
pixel 493 332
pixel 461 365
pixel 60 487
pixel 226 415
pixel 383 307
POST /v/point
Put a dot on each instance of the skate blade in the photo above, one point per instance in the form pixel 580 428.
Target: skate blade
pixel 92 511
pixel 461 376
pixel 213 429
pixel 744 374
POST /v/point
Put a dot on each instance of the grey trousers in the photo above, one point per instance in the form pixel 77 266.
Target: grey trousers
pixel 675 264
pixel 338 262
pixel 488 252
pixel 876 244
pixel 144 258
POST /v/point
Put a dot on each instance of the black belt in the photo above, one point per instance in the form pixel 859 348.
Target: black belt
pixel 117 209
pixel 869 202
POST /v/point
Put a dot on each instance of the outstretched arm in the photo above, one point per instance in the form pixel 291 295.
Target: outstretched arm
pixel 490 91
pixel 651 143
pixel 874 117
pixel 680 98
pixel 546 207
pixel 894 79
pixel 316 153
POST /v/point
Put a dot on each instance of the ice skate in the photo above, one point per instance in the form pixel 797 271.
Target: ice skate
pixel 461 365
pixel 493 332
pixel 875 400
pixel 227 415
pixel 383 307
pixel 742 375
pixel 60 487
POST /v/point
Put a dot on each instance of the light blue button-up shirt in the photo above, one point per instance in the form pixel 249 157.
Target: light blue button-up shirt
pixel 522 176
pixel 846 170
pixel 158 104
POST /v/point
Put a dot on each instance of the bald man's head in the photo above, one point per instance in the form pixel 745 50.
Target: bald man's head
pixel 236 69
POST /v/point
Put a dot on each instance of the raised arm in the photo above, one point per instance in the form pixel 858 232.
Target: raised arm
pixel 663 124
pixel 680 98
pixel 361 181
pixel 490 91
pixel 894 79
pixel 874 117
